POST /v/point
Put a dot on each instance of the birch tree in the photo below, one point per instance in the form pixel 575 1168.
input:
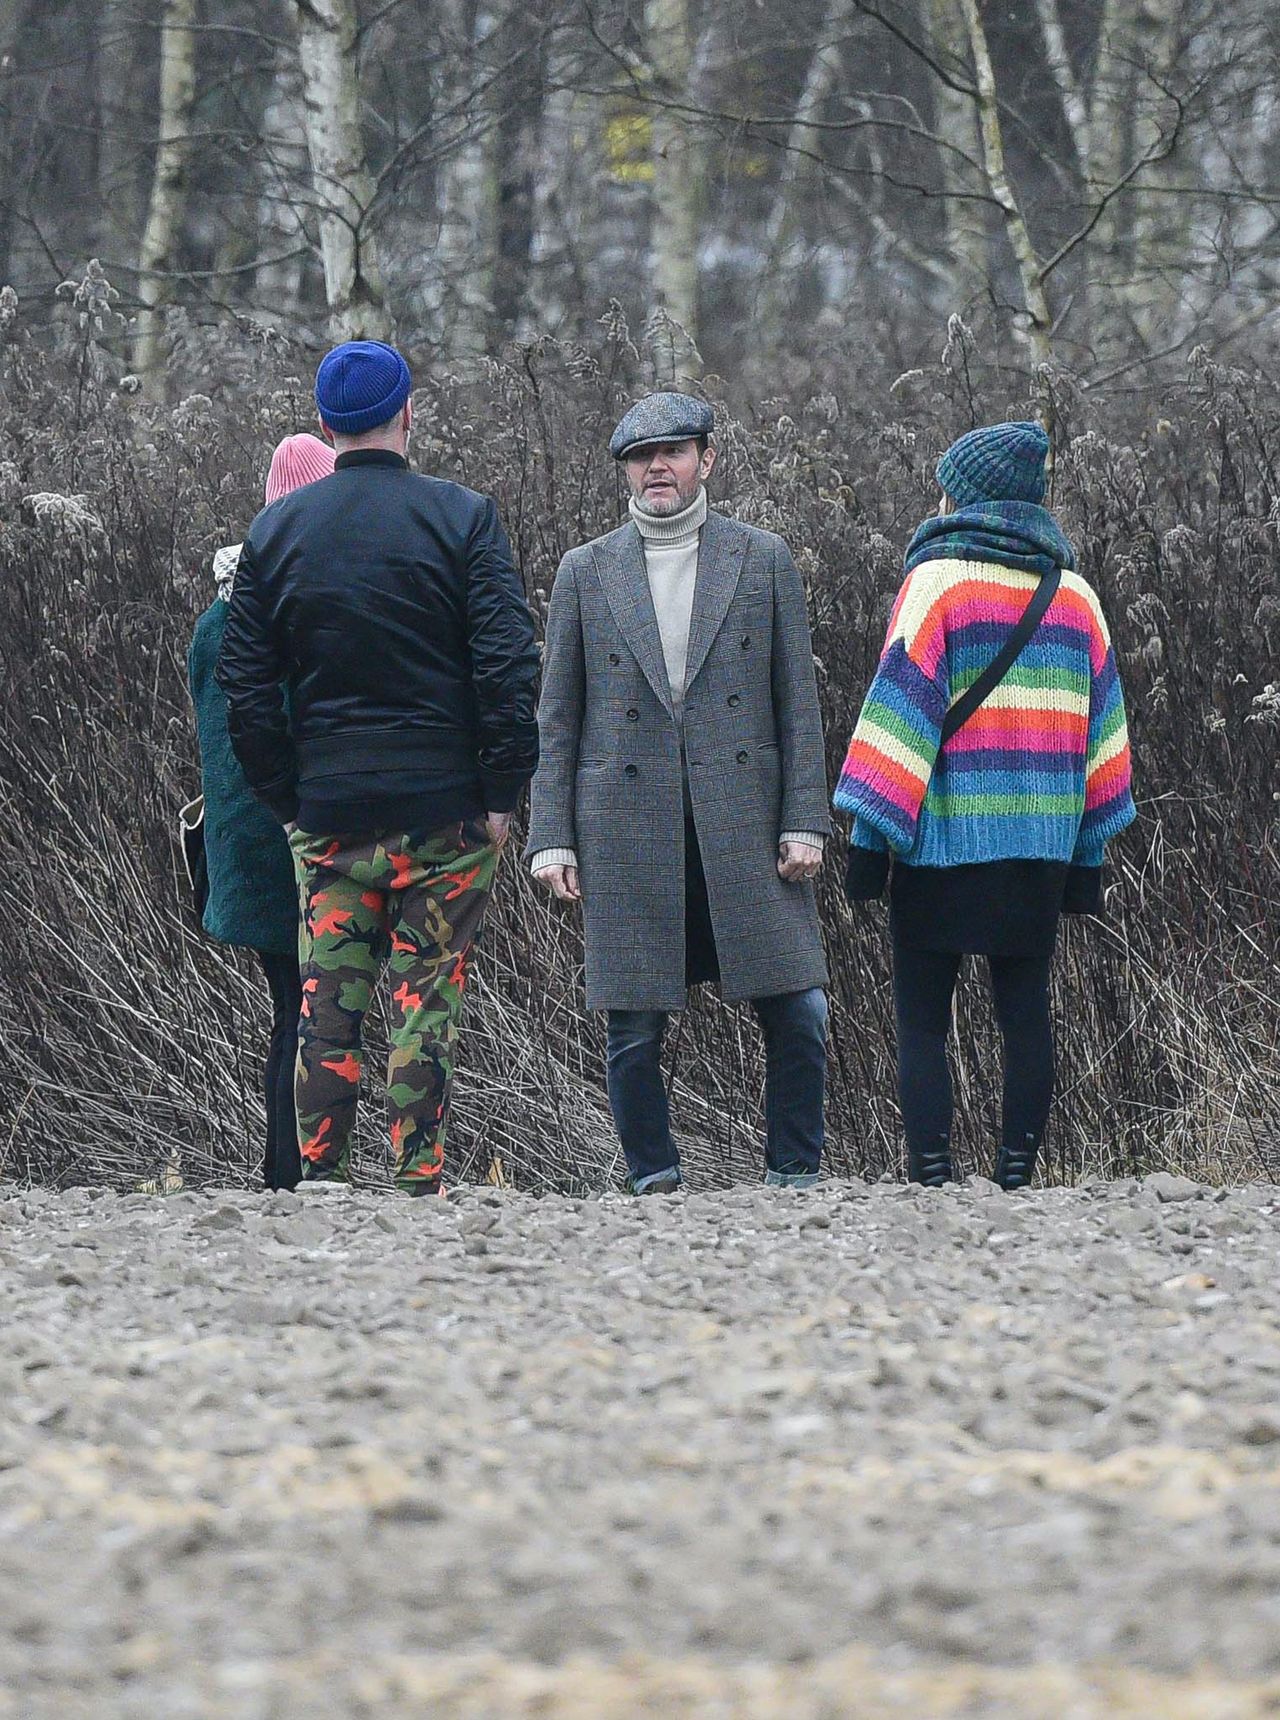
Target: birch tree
pixel 157 253
pixel 1158 231
pixel 963 193
pixel 1075 108
pixel 1036 325
pixel 467 237
pixel 343 187
pixel 282 170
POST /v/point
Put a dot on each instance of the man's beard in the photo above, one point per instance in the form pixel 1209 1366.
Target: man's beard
pixel 662 506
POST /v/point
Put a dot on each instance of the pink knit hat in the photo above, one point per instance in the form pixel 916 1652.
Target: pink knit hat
pixel 297 461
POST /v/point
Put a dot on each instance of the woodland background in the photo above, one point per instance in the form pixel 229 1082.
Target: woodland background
pixel 860 226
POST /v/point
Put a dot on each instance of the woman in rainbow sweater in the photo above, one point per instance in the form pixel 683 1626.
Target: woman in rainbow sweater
pixel 1001 828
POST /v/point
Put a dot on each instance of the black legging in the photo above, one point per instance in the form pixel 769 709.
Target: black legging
pixel 924 982
pixel 281 1165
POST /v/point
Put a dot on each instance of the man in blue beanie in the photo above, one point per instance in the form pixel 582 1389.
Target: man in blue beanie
pixel 381 673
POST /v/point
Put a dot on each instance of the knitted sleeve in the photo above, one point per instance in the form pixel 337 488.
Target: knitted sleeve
pixel 895 743
pixel 1108 794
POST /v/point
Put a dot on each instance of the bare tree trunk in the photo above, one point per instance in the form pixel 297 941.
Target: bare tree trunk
pixel 282 180
pixel 340 176
pixel 121 199
pixel 466 247
pixel 1160 223
pixel 674 229
pixel 157 252
pixel 517 139
pixel 1137 47
pixel 1074 107
pixel 569 199
pixel 13 19
pixel 1037 325
pixel 1111 98
pixel 467 238
pixel 802 143
pixel 964 210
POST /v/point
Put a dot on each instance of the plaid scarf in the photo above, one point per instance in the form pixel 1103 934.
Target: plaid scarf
pixel 1012 534
pixel 225 563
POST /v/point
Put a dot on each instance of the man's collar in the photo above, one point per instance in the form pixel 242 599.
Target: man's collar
pixel 662 529
pixel 370 457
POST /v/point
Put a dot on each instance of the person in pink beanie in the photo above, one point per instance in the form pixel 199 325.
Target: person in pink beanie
pixel 252 898
pixel 298 460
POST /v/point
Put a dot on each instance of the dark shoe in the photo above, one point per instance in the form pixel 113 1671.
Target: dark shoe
pixel 794 1177
pixel 660 1182
pixel 930 1167
pixel 1015 1166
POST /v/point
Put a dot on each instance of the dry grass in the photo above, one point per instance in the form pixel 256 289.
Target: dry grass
pixel 130 1038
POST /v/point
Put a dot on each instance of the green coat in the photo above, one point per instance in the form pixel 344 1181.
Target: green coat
pixel 253 900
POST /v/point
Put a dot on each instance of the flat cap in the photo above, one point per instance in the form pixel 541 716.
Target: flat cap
pixel 661 418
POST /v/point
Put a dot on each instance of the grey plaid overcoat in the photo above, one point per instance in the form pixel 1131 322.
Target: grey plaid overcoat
pixel 609 781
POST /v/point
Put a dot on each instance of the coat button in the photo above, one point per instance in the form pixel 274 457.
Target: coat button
pixel 746 641
pixel 632 770
pixel 743 757
pixel 633 716
pixel 734 701
pixel 614 659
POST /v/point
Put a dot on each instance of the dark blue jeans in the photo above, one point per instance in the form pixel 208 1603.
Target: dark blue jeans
pixel 795 1045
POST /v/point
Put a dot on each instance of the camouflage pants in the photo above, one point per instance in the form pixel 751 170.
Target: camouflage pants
pixel 415 903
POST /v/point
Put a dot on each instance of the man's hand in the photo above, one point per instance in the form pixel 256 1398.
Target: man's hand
pixel 290 827
pixel 797 861
pixel 562 881
pixel 498 824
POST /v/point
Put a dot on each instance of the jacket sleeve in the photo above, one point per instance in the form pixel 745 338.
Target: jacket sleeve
pixel 504 663
pixel 895 744
pixel 552 816
pixel 1108 794
pixel 866 872
pixel 795 704
pixel 1082 893
pixel 250 673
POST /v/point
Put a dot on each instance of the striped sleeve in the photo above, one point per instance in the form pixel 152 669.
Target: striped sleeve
pixel 1108 795
pixel 895 743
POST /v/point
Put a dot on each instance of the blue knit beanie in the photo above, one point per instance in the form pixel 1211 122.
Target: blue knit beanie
pixel 360 385
pixel 1000 463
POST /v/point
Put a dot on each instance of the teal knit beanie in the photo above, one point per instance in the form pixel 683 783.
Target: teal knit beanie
pixel 999 463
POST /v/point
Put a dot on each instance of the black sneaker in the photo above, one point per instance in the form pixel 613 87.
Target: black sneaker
pixel 930 1166
pixel 1015 1166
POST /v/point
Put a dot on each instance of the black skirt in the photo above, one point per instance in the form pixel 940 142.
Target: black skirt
pixel 1003 908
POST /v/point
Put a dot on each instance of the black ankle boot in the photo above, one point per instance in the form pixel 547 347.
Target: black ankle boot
pixel 930 1166
pixel 1015 1166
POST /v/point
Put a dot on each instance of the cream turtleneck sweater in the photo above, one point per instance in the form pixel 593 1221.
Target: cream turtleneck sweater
pixel 671 562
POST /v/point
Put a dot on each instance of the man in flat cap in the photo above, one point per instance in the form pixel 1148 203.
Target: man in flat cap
pixel 681 792
pixel 386 605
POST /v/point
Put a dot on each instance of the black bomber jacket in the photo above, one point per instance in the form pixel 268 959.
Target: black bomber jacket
pixel 378 637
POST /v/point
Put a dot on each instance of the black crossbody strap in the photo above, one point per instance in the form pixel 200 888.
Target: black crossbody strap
pixel 1005 657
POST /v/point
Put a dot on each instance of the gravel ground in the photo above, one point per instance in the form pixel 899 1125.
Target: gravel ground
pixel 859 1451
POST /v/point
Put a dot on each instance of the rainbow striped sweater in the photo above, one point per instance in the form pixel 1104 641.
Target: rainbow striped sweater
pixel 1040 771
